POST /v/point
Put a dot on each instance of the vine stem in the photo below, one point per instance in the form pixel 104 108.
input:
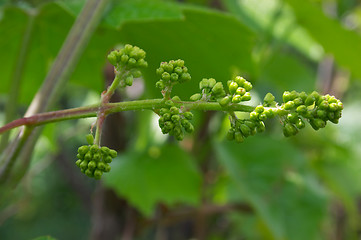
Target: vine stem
pixel 105 98
pixel 108 108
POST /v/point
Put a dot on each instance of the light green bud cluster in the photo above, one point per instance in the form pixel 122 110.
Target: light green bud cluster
pixel 243 128
pixel 128 61
pixel 317 109
pixel 238 91
pixel 94 160
pixel 299 107
pixel 172 72
pixel 174 121
pixel 211 90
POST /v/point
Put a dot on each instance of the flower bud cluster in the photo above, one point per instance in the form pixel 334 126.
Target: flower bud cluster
pixel 317 109
pixel 94 160
pixel 127 62
pixel 243 128
pixel 211 90
pixel 175 122
pixel 172 72
pixel 239 91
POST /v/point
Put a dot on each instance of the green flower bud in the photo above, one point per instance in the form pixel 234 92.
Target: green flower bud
pixel 178 70
pixel 78 162
pixel 316 95
pixel 246 131
pixel 218 88
pixel 225 101
pixel 203 84
pixel 174 77
pixel 132 62
pixel 166 76
pixel 190 128
pixel 112 58
pixel 107 168
pixel 90 139
pixel 233 87
pixel 79 156
pixel 89 173
pixel 248 86
pixel 174 110
pixel 333 107
pixel 83 150
pixel 98 174
pixel 159 71
pixel 259 109
pixel 269 98
pixel 124 59
pixel 196 97
pixel 180 136
pixel 185 77
pixel 84 164
pixel 289 105
pixel 105 150
pixel 168 67
pixel 176 99
pixel 270 113
pixel 108 159
pixel 96 156
pixel 253 116
pixel 300 124
pixel 101 165
pixel 246 97
pixel 142 63
pixel 339 105
pixel 298 101
pixel 136 73
pixel 188 115
pixel 331 115
pixel 94 148
pixel 287 96
pixel 261 127
pixel 292 117
pixel 92 165
pixel 175 118
pixel 238 137
pixel 323 105
pixel 321 114
pixel 159 84
pixel 163 111
pixel 167 116
pixel 236 98
pixel 240 91
pixel 88 156
pixel 337 114
pixel 303 96
pixel 239 80
pixel 129 80
pixel 262 117
pixel 211 82
pixel 318 123
pixel 289 130
pixel 169 103
pixel 230 134
pixel 301 109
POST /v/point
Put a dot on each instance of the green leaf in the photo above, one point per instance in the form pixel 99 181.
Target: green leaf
pixel 211 43
pixel 160 175
pixel 285 72
pixel 268 174
pixel 344 44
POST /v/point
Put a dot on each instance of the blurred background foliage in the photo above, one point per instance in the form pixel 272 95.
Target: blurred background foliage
pixel 304 187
